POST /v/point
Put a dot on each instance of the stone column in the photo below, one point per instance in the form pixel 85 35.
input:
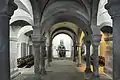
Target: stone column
pixel 5 15
pixel 30 49
pixel 75 52
pixel 43 55
pixel 23 49
pixel 36 46
pixel 113 7
pixel 4 43
pixel 88 65
pixel 78 57
pixel 95 43
pixel 49 54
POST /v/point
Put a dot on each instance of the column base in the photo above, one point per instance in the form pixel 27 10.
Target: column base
pixel 49 64
pixel 79 64
pixel 15 73
pixel 74 60
pixel 88 70
pixel 43 72
pixel 37 71
pixel 95 77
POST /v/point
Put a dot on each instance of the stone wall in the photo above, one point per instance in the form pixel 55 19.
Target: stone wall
pixel 13 55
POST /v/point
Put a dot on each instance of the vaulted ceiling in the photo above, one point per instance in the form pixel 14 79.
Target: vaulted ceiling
pixel 71 15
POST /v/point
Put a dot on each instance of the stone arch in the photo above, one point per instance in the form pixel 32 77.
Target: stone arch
pixel 62 13
pixel 62 32
pixel 64 28
pixel 61 7
pixel 67 39
pixel 68 17
pixel 24 30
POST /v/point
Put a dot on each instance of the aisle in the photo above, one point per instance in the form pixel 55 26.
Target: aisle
pixel 59 70
pixel 63 70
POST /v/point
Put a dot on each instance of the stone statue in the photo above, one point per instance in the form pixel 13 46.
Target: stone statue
pixel 61 49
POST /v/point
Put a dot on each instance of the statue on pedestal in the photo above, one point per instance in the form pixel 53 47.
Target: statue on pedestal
pixel 61 49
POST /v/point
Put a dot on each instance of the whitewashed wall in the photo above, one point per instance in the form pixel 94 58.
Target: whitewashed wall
pixel 103 17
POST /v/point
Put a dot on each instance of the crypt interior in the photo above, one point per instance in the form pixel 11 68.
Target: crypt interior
pixel 59 40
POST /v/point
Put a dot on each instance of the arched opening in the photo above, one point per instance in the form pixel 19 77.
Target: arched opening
pixel 67 42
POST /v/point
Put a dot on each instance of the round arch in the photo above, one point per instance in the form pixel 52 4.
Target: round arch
pixel 24 30
pixel 68 17
pixel 62 32
pixel 75 14
pixel 63 28
pixel 68 43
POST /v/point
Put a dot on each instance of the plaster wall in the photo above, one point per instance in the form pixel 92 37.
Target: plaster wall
pixel 103 16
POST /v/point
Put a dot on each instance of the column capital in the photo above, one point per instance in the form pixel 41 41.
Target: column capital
pixel 38 38
pixel 88 39
pixel 87 43
pixel 96 39
pixel 113 8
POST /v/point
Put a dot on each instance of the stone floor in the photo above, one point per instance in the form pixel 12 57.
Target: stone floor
pixel 103 75
pixel 63 70
pixel 59 70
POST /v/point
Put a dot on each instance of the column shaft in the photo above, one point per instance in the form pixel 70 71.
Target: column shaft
pixel 75 52
pixel 95 61
pixel 4 45
pixel 95 43
pixel 49 54
pixel 116 48
pixel 36 47
pixel 88 67
pixel 43 55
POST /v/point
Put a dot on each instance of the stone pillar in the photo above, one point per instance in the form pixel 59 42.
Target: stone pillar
pixel 75 52
pixel 88 65
pixel 27 49
pixel 49 54
pixel 4 44
pixel 36 46
pixel 23 49
pixel 42 55
pixel 5 15
pixel 78 57
pixel 95 43
pixel 113 7
pixel 30 49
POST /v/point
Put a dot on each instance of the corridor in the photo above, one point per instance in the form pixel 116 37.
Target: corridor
pixel 59 70
pixel 28 29
pixel 64 70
